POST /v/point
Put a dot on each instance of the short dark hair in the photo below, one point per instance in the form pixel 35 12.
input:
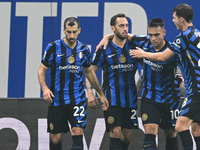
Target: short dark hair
pixel 156 22
pixel 114 18
pixel 71 22
pixel 185 11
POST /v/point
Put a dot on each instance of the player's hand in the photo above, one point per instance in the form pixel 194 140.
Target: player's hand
pixel 104 42
pixel 92 100
pixel 105 103
pixel 47 95
pixel 137 53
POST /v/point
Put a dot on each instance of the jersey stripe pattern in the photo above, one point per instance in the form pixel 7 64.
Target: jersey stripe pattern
pixel 159 79
pixel 66 66
pixel 118 74
pixel 187 46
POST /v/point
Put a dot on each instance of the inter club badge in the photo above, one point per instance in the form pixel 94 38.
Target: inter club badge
pixel 122 58
pixel 71 59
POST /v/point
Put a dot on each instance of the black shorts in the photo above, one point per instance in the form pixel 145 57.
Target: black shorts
pixel 191 108
pixel 119 116
pixel 162 114
pixel 59 116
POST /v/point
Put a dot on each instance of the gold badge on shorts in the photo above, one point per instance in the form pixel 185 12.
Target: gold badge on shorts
pixel 51 126
pixel 144 117
pixel 71 59
pixel 110 120
pixel 122 58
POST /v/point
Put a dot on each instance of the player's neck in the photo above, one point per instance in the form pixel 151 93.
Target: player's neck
pixel 119 42
pixel 69 44
pixel 186 25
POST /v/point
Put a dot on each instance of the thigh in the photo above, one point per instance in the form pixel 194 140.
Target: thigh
pixel 150 112
pixel 56 119
pixel 113 117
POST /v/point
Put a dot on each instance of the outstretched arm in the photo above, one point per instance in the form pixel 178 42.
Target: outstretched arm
pixel 160 56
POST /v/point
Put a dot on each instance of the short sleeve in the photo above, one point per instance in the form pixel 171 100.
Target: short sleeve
pixel 98 58
pixel 87 57
pixel 48 54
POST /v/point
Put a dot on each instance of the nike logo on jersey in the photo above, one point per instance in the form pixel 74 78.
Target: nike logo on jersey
pixel 109 56
pixel 60 55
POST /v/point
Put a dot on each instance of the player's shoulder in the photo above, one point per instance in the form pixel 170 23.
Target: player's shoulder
pixel 101 50
pixel 52 45
pixel 55 43
pixel 82 47
pixel 191 31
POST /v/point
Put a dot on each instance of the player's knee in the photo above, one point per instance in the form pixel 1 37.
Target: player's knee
pixel 151 129
pixel 182 124
pixel 77 131
pixel 116 132
pixel 178 127
pixel 196 129
pixel 55 139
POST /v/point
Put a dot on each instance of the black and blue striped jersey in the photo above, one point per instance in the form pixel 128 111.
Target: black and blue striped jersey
pixel 187 47
pixel 159 79
pixel 118 74
pixel 67 83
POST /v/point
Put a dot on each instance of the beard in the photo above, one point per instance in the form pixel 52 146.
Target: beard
pixel 71 40
pixel 121 37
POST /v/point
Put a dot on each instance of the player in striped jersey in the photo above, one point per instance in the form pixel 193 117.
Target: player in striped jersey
pixel 187 46
pixel 160 93
pixel 160 96
pixel 118 85
pixel 68 58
